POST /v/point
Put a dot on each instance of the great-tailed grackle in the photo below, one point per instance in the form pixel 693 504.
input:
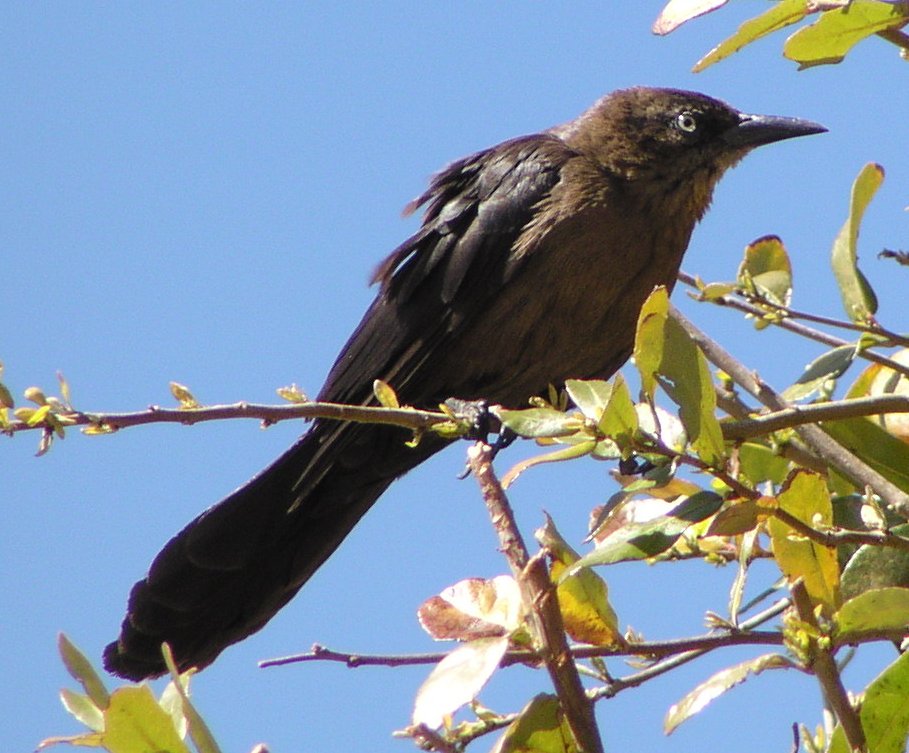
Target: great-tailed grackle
pixel 530 266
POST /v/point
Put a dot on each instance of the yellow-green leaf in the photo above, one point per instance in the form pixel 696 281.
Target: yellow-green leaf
pixel 868 441
pixel 539 728
pixel 878 609
pixel 782 14
pixel 583 597
pixel 829 38
pixel 648 341
pixel 590 396
pixel 766 271
pixel 691 387
pixel 81 670
pixel 805 497
pixel 619 419
pixel 884 713
pixel 859 300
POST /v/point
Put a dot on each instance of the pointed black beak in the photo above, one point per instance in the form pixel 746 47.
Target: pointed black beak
pixel 756 130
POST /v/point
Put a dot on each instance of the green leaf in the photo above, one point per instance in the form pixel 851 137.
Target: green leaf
pixel 198 730
pixel 859 300
pixel 619 419
pixel 885 713
pixel 805 497
pixel 876 567
pixel 644 540
pixel 81 670
pixel 829 38
pixel 534 423
pixel 869 442
pixel 539 728
pixel 765 270
pixel 590 396
pixel 691 388
pixel 708 691
pixel 782 14
pixel 649 338
pixel 879 609
pixel 760 463
pixel 827 366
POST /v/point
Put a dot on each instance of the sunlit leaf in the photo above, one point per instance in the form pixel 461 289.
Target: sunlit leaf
pixel 829 38
pixel 81 670
pixel 649 338
pixel 539 728
pixel 884 713
pixel 708 691
pixel 779 16
pixel 690 386
pixel 677 12
pixel 473 608
pixel 766 270
pixel 590 396
pixel 533 423
pixel 583 597
pixel 620 418
pixel 83 709
pixel 457 680
pixel 805 497
pixel 878 609
pixel 859 300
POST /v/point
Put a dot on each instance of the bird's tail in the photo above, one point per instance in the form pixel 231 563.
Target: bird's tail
pixel 232 568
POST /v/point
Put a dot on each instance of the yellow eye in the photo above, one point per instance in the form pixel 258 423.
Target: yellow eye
pixel 686 121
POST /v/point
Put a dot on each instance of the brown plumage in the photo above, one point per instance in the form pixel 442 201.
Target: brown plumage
pixel 530 267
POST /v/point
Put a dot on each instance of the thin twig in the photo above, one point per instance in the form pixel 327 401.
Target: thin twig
pixel 799 329
pixel 820 443
pixel 834 538
pixel 408 418
pixel 676 660
pixel 538 594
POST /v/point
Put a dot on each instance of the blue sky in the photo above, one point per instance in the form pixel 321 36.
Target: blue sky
pixel 199 191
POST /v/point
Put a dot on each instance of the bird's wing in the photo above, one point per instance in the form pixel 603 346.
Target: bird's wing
pixel 451 268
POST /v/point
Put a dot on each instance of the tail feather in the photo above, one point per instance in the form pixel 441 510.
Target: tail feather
pixel 232 568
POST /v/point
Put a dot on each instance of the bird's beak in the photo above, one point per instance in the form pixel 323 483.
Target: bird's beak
pixel 756 130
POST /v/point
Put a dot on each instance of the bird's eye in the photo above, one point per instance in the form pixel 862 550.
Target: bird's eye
pixel 686 122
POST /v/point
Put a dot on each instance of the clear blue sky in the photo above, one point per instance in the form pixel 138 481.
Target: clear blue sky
pixel 199 191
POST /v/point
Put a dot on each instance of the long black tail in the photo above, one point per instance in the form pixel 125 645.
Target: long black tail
pixel 231 569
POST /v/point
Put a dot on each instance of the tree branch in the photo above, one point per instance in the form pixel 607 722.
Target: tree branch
pixel 827 673
pixel 539 596
pixel 797 415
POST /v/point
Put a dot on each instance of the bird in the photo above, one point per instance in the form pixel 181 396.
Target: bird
pixel 530 266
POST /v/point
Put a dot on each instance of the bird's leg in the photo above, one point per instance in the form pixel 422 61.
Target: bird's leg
pixel 482 423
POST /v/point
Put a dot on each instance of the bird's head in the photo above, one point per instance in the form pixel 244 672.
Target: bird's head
pixel 668 138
